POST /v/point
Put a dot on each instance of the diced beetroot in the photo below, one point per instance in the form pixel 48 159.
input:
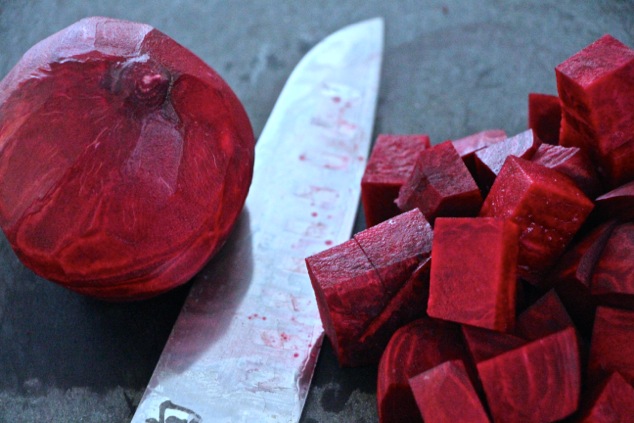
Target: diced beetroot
pixel 484 344
pixel 474 272
pixel 537 382
pixel 407 305
pixel 613 278
pixel 354 283
pixel 573 162
pixel 545 317
pixel 547 206
pixel 612 401
pixel 467 146
pixel 489 161
pixel 445 394
pixel 572 275
pixel 611 347
pixel 616 204
pixel 349 293
pixel 596 88
pixel 414 348
pixel 392 160
pixel 544 116
pixel 396 247
pixel 440 185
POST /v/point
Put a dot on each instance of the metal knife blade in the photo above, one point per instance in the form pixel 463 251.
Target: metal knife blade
pixel 245 344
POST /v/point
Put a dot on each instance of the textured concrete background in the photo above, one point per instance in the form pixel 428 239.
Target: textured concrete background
pixel 451 68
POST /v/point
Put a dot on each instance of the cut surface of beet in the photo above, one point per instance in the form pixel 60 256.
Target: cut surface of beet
pixel 617 203
pixel 489 161
pixel 613 277
pixel 391 162
pixel 474 272
pixel 547 206
pixel 440 185
pixel 467 146
pixel 572 162
pixel 611 346
pixel 545 317
pixel 596 88
pixel 356 281
pixel 484 344
pixel 414 348
pixel 613 401
pixel 537 382
pixel 445 394
pixel 544 116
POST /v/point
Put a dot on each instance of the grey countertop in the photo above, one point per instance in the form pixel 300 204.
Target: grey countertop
pixel 451 68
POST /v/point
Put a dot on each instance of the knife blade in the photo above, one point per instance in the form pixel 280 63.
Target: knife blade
pixel 245 344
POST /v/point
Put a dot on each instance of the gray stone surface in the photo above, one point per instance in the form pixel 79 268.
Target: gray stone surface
pixel 451 68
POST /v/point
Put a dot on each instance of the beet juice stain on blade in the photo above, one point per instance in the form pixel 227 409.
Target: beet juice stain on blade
pixel 246 342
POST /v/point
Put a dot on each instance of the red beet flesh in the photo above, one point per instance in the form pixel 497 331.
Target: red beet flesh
pixel 537 382
pixel 355 282
pixel 473 272
pixel 596 88
pixel 544 117
pixel 440 185
pixel 414 348
pixel 611 347
pixel 445 394
pixel 547 206
pixel 126 160
pixel 392 159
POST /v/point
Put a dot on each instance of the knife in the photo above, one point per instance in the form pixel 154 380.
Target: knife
pixel 245 344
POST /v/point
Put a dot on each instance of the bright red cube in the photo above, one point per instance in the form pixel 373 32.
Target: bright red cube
pixel 474 272
pixel 547 206
pixel 390 164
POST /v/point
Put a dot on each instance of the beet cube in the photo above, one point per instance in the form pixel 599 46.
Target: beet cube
pixel 612 401
pixel 440 185
pixel 611 347
pixel 484 344
pixel 572 276
pixel 396 247
pixel 545 317
pixel 572 162
pixel 489 161
pixel 445 394
pixel 349 293
pixel 544 116
pixel 537 382
pixel 547 206
pixel 467 146
pixel 414 348
pixel 596 88
pixel 474 272
pixel 613 278
pixel 616 204
pixel 354 283
pixel 406 305
pixel 392 160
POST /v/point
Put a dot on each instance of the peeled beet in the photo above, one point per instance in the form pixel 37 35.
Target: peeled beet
pixel 611 346
pixel 474 272
pixel 390 163
pixel 357 281
pixel 544 116
pixel 445 394
pixel 440 185
pixel 125 159
pixel 537 382
pixel 414 348
pixel 596 88
pixel 616 204
pixel 613 277
pixel 547 206
pixel 489 160
pixel 467 146
pixel 612 401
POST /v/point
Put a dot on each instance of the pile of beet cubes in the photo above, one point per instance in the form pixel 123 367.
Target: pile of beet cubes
pixel 495 281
